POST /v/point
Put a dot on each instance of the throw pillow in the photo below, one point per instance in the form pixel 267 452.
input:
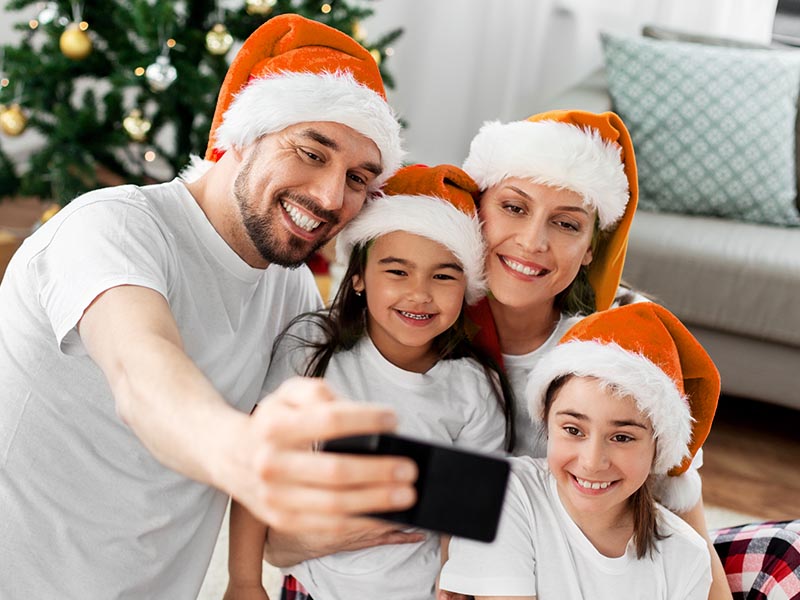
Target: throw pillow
pixel 713 127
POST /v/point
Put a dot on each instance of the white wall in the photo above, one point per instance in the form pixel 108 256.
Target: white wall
pixel 462 62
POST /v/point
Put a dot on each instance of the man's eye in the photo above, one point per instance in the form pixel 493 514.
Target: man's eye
pixel 357 178
pixel 312 155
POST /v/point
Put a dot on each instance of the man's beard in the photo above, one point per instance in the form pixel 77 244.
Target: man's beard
pixel 262 228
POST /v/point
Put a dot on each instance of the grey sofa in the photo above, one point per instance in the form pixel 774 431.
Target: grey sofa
pixel 736 285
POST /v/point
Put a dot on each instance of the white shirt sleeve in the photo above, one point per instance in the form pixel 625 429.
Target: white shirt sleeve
pixel 505 567
pixel 100 245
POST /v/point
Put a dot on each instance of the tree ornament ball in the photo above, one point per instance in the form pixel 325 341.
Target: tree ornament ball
pixel 376 56
pixel 161 74
pixel 260 7
pixel 219 40
pixel 136 126
pixel 12 120
pixel 74 43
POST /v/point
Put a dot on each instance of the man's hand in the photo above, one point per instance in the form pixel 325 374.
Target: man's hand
pixel 278 476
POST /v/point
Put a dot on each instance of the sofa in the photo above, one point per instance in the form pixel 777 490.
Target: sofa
pixel 735 284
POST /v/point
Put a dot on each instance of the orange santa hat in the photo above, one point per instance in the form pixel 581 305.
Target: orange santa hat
pixel 437 203
pixel 645 352
pixel 294 70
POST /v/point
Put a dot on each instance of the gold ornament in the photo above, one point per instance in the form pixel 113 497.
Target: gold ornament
pixel 136 126
pixel 75 43
pixel 12 120
pixel 49 214
pixel 260 7
pixel 359 32
pixel 376 54
pixel 219 40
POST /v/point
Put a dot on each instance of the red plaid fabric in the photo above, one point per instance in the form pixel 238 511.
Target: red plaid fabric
pixel 293 590
pixel 762 560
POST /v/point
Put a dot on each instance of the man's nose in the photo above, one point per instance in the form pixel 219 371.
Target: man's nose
pixel 328 189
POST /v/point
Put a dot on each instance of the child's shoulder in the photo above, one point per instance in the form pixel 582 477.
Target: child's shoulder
pixel 680 535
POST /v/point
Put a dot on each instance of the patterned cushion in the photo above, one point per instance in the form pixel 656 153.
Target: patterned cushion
pixel 713 127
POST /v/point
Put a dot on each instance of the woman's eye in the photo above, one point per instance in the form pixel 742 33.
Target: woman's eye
pixel 568 225
pixel 572 430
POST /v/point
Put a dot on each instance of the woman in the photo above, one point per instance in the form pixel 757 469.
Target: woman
pixel 558 195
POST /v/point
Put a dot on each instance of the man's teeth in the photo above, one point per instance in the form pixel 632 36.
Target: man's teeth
pixel 589 485
pixel 415 316
pixel 301 220
pixel 520 268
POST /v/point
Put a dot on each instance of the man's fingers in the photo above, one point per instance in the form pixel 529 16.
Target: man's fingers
pixel 303 410
pixel 334 470
pixel 325 501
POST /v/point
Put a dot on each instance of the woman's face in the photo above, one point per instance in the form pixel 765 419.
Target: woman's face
pixel 537 237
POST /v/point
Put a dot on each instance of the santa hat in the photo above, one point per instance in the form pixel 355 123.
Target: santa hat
pixel 645 352
pixel 295 70
pixel 433 202
pixel 588 153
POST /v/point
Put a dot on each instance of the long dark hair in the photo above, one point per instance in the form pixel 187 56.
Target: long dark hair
pixel 642 502
pixel 345 323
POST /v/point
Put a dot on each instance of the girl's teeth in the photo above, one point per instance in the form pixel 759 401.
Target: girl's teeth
pixel 414 316
pixel 589 485
pixel 519 268
pixel 302 221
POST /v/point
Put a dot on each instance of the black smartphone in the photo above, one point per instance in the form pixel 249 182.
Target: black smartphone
pixel 458 492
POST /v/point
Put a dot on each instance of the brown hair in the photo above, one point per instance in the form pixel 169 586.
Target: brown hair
pixel 642 502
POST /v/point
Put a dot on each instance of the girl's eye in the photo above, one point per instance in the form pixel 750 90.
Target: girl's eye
pixel 444 277
pixel 572 430
pixel 513 208
pixel 398 272
pixel 621 437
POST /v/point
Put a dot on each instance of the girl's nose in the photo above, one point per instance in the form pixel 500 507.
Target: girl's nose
pixel 594 456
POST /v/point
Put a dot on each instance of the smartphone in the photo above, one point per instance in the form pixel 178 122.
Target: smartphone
pixel 459 492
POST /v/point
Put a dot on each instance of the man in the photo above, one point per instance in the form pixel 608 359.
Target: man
pixel 136 329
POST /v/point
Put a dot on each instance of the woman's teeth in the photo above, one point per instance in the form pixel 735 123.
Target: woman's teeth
pixel 520 268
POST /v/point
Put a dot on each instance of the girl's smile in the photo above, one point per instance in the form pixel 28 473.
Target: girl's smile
pixel 415 291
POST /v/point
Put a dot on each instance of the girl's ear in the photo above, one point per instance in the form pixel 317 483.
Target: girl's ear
pixel 358 283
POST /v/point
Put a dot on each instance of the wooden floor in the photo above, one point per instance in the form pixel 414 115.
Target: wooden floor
pixel 752 459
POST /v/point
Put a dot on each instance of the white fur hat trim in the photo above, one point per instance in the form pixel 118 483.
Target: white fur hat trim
pixel 426 216
pixel 553 153
pixel 272 103
pixel 633 374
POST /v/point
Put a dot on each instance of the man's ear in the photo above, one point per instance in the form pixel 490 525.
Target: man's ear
pixel 358 283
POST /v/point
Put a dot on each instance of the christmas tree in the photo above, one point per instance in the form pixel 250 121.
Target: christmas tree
pixel 123 91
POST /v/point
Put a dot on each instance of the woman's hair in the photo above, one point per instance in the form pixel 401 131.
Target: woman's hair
pixel 579 298
pixel 642 502
pixel 345 323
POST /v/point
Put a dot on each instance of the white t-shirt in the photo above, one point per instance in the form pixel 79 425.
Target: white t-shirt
pixel 451 403
pixel 87 511
pixel 540 551
pixel 531 440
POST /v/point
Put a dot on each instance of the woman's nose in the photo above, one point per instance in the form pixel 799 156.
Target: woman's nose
pixel 534 238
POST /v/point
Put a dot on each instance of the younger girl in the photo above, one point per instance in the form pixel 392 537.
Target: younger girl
pixel 395 334
pixel 627 397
